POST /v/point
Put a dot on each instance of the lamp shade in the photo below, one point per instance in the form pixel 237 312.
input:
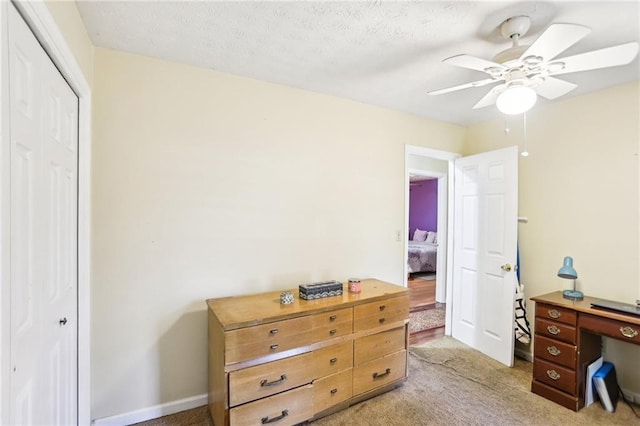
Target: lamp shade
pixel 567 270
pixel 516 100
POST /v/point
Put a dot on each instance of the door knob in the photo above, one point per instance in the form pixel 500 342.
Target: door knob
pixel 63 321
pixel 506 267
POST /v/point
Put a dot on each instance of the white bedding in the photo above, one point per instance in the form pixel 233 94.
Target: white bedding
pixel 422 256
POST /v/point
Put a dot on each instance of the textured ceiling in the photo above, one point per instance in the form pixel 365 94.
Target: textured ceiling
pixel 386 53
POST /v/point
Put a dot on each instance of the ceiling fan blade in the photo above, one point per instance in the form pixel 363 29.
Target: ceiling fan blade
pixel 554 88
pixel 555 40
pixel 602 58
pixel 489 98
pixel 478 83
pixel 473 63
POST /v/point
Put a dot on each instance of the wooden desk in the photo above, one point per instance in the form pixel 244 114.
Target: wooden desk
pixel 567 340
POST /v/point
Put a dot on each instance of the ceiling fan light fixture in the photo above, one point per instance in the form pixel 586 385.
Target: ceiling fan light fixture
pixel 516 100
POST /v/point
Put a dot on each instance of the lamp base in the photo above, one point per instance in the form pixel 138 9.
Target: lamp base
pixel 573 294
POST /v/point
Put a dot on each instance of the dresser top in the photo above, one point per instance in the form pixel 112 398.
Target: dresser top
pixel 248 310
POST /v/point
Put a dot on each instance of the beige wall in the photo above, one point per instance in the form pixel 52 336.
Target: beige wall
pixel 579 190
pixel 67 17
pixel 209 185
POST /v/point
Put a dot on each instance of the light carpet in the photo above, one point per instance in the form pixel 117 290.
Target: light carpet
pixel 452 384
pixel 427 319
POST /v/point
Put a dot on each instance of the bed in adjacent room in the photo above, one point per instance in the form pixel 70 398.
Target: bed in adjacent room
pixel 422 256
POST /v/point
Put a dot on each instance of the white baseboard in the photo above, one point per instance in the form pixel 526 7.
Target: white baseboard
pixel 154 412
pixel 631 396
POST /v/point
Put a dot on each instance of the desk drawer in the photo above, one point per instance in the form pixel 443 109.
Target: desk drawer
pixel 554 375
pixel 612 328
pixel 555 313
pixel 552 350
pixel 556 330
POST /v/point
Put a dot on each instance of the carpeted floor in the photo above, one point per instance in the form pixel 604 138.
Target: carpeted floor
pixel 427 319
pixel 452 384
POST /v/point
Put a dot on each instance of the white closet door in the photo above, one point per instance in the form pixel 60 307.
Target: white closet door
pixel 44 169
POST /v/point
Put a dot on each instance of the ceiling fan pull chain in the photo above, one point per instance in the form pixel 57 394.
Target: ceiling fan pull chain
pixel 506 125
pixel 525 152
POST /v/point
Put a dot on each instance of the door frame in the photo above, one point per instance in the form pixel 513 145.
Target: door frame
pixel 450 157
pixel 39 19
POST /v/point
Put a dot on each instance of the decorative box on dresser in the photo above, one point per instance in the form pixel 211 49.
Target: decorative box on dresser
pixel 568 339
pixel 271 363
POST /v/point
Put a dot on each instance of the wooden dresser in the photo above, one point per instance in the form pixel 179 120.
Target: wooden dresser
pixel 567 339
pixel 284 364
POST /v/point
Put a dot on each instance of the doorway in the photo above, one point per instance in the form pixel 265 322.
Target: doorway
pixel 425 163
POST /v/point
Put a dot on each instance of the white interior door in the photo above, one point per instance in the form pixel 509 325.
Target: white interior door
pixel 484 252
pixel 44 212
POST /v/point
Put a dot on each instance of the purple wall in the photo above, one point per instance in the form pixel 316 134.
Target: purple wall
pixel 423 206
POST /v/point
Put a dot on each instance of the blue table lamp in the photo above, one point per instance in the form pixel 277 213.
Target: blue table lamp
pixel 568 272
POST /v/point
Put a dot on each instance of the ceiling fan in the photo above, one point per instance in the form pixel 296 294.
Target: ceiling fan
pixel 529 71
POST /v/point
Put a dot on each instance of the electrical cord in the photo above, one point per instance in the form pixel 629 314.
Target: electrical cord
pixel 628 402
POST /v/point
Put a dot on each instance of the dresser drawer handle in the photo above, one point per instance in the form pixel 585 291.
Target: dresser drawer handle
pixel 333 360
pixel 379 375
pixel 553 374
pixel 554 313
pixel 381 320
pixel 333 317
pixel 628 332
pixel 266 420
pixel 553 350
pixel 334 391
pixel 281 380
pixel 332 332
pixel 382 307
pixel 553 329
pixel 274 331
pixel 274 347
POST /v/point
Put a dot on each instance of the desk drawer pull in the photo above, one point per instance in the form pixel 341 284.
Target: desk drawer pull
pixel 333 360
pixel 379 375
pixel 266 420
pixel 628 332
pixel 381 320
pixel 553 330
pixel 554 313
pixel 553 374
pixel 334 391
pixel 382 307
pixel 281 380
pixel 274 331
pixel 553 350
pixel 332 332
pixel 274 347
pixel 333 317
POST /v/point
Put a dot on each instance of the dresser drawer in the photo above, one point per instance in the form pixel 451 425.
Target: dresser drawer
pixel 254 342
pixel 332 317
pixel 552 350
pixel 330 331
pixel 375 314
pixel 556 330
pixel 379 372
pixel 291 407
pixel 332 390
pixel 555 313
pixel 332 359
pixel 554 375
pixel 376 345
pixel 612 328
pixel 267 379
